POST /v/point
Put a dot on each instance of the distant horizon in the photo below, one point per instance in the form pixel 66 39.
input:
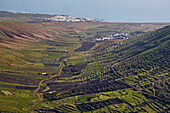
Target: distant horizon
pixel 89 17
pixel 109 10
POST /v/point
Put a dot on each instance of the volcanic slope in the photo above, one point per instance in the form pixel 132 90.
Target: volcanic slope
pixel 27 51
pixel 145 62
pixel 141 63
pixel 115 76
pixel 25 54
pixel 18 41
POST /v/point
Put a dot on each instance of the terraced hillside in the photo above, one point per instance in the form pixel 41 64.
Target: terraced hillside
pixel 134 71
pixel 26 59
pixel 144 61
pixel 60 67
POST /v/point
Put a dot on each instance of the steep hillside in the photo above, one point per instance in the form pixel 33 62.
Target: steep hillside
pixel 146 64
pixel 130 75
pixel 142 61
pixel 27 48
pixel 143 50
pixel 22 31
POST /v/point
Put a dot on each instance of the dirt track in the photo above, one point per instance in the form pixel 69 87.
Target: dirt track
pixel 36 95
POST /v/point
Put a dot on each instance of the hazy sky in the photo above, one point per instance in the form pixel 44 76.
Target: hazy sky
pixel 110 10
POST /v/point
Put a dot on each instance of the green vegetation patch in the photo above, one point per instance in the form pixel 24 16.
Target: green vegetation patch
pixel 15 100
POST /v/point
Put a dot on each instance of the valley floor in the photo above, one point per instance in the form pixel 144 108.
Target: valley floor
pixel 61 67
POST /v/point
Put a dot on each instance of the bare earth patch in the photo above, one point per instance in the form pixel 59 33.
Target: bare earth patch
pixel 6 92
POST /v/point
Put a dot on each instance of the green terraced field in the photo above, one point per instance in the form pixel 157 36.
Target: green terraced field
pixel 61 67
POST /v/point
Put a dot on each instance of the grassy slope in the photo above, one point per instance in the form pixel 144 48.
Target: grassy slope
pixel 24 53
pixel 32 50
pixel 143 61
pixel 149 69
pixel 19 101
pixel 20 42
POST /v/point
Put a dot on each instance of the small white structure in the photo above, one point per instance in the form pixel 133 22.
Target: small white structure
pixel 44 73
pixel 50 92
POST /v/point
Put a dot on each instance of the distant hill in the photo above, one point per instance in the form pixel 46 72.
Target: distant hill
pixel 24 17
pixel 19 15
pixel 22 31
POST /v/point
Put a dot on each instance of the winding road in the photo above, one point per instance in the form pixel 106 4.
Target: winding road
pixel 36 95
